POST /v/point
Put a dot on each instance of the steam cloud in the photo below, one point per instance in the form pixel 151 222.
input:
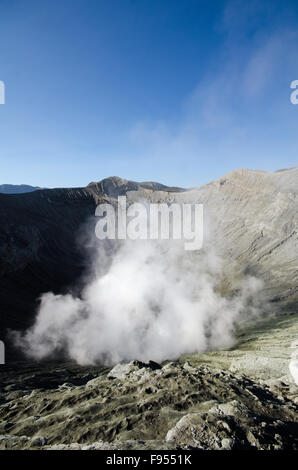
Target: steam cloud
pixel 150 301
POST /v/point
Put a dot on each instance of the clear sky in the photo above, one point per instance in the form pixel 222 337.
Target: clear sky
pixel 175 91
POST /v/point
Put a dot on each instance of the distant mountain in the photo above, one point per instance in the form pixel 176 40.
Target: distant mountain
pixel 17 188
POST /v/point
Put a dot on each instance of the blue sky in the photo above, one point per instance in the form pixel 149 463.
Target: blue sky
pixel 176 91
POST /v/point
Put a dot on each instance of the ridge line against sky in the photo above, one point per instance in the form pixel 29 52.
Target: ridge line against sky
pixel 169 91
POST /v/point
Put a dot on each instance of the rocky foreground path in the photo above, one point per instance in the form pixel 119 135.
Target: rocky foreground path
pixel 244 398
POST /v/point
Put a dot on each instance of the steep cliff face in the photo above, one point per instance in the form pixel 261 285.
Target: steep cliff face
pixel 40 243
pixel 250 217
pixel 250 220
pixel 38 247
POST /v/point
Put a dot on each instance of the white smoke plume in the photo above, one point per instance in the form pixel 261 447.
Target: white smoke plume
pixel 293 365
pixel 151 301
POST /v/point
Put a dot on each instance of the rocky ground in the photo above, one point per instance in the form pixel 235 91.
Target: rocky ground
pixel 244 398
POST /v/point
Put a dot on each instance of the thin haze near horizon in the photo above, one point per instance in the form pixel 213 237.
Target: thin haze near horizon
pixel 151 90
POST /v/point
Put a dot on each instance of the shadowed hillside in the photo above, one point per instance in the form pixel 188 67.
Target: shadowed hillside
pixel 40 248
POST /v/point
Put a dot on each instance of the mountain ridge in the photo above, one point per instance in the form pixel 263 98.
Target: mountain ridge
pixel 254 227
pixel 17 188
